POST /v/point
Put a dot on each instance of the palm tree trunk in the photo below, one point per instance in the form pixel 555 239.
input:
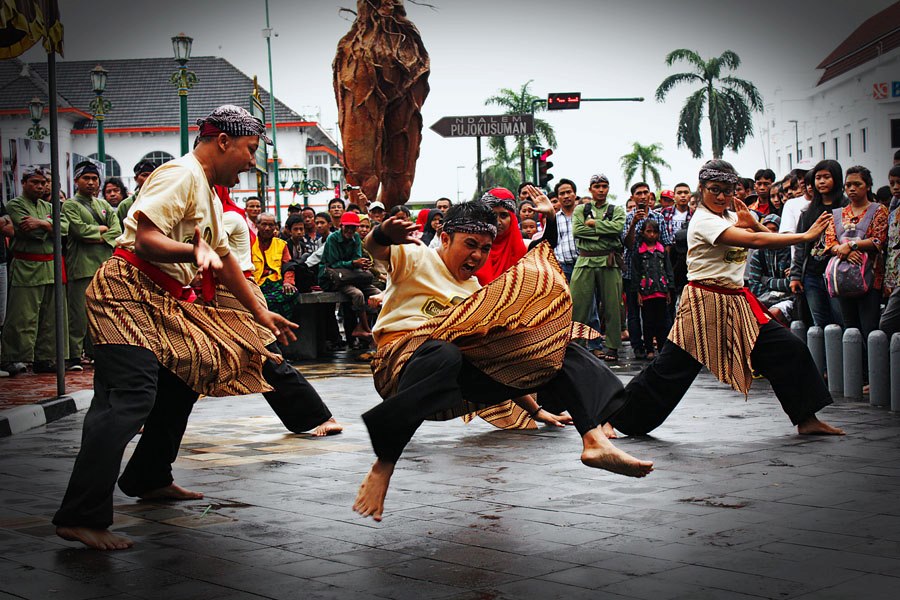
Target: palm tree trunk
pixel 522 158
pixel 716 149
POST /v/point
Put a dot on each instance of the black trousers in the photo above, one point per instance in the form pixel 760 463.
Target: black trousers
pixel 437 376
pixel 131 389
pixel 294 400
pixel 778 355
pixel 633 314
pixel 656 323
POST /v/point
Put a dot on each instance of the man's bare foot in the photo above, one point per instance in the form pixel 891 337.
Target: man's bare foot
pixel 599 453
pixel 171 492
pixel 609 431
pixel 329 427
pixel 361 333
pixel 370 498
pixel 813 426
pixel 98 539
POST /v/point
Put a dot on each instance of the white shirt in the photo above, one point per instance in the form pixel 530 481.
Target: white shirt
pixel 238 238
pixel 705 258
pixel 790 214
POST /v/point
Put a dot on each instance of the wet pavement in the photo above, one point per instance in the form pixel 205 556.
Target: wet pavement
pixel 739 507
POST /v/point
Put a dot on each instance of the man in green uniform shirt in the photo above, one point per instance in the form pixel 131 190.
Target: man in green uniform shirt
pixel 142 171
pixel 597 228
pixel 93 229
pixel 29 331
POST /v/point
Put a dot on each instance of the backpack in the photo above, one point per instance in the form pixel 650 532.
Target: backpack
pixel 842 278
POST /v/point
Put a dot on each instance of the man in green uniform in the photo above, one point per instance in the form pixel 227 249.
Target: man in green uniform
pixel 597 229
pixel 142 171
pixel 29 332
pixel 93 229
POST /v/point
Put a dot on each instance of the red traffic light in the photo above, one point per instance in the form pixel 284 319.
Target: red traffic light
pixel 546 154
pixel 564 101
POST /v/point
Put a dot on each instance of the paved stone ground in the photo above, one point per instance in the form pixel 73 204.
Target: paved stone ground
pixel 738 508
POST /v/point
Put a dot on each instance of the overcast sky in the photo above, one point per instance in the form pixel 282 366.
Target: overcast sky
pixel 601 48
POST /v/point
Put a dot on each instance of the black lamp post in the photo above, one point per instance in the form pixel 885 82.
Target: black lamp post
pixel 100 106
pixel 36 108
pixel 183 80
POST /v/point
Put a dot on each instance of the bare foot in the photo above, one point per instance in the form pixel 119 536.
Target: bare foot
pixel 370 498
pixel 813 426
pixel 361 333
pixel 329 427
pixel 609 431
pixel 98 539
pixel 599 453
pixel 171 492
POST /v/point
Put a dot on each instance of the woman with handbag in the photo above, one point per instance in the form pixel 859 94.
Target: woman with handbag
pixel 854 240
pixel 722 326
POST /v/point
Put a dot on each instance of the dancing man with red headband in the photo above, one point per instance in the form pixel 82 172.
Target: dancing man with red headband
pixel 155 348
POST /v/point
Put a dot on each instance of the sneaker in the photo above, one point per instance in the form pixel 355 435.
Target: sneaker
pixel 43 366
pixel 74 364
pixel 13 368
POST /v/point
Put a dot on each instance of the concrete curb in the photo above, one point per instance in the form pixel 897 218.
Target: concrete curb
pixel 22 418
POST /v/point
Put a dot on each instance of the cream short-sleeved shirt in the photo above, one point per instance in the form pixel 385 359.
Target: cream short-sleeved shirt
pixel 705 258
pixel 177 197
pixel 419 287
pixel 238 233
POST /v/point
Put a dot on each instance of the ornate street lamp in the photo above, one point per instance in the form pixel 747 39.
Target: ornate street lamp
pixel 305 186
pixel 36 108
pixel 100 106
pixel 183 80
pixel 337 171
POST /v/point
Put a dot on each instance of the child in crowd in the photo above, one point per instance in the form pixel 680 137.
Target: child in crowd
pixel 654 282
pixel 528 227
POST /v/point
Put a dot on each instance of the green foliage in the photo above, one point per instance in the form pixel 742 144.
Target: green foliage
pixel 517 102
pixel 729 102
pixel 645 159
pixel 499 171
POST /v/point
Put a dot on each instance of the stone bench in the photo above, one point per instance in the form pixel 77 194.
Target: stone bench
pixel 310 342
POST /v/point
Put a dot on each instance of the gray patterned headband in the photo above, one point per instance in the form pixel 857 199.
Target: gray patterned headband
pixel 34 170
pixel 601 178
pixel 85 167
pixel 716 175
pixel 492 201
pixel 466 225
pixel 234 121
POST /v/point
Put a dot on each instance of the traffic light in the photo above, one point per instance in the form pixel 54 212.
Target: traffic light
pixel 544 165
pixel 564 101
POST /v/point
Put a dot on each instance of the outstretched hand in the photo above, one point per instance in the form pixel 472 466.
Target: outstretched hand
pixel 746 219
pixel 280 327
pixel 542 203
pixel 204 256
pixel 819 226
pixel 400 230
pixel 548 418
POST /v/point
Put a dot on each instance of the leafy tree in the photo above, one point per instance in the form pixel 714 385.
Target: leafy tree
pixel 729 101
pixel 498 171
pixel 645 159
pixel 521 102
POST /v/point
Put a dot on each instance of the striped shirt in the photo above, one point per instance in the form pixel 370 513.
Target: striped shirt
pixel 565 250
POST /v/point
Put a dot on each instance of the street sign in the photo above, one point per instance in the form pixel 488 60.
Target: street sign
pixel 564 101
pixel 485 125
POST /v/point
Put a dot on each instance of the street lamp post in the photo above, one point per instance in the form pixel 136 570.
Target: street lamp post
pixel 183 80
pixel 36 108
pixel 796 139
pixel 100 106
pixel 337 171
pixel 303 185
pixel 457 181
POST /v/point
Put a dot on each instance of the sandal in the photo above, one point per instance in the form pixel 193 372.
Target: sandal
pixel 606 355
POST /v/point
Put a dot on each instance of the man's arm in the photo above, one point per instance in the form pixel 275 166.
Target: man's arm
pixel 27 226
pixel 393 230
pixel 612 226
pixel 580 229
pixel 114 226
pixel 79 228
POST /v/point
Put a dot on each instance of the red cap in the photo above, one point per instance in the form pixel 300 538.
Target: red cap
pixel 350 218
pixel 667 194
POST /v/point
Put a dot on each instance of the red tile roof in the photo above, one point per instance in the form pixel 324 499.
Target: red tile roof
pixel 877 35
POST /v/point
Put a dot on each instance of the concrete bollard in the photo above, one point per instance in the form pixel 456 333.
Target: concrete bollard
pixel 895 372
pixel 798 328
pixel 879 371
pixel 834 354
pixel 853 363
pixel 815 339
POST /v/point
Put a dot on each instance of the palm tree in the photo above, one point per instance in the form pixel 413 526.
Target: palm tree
pixel 498 171
pixel 517 103
pixel 645 159
pixel 730 101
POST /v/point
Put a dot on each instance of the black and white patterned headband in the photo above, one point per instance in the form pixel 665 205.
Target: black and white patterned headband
pixel 601 178
pixel 716 175
pixel 233 120
pixel 466 225
pixel 492 201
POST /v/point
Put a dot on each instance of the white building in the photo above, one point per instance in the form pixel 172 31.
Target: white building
pixel 144 121
pixel 852 115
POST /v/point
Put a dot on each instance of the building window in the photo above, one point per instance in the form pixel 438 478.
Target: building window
pixel 158 157
pixel 320 173
pixel 864 135
pixel 836 157
pixel 799 154
pixel 790 160
pixel 810 152
pixel 849 144
pixel 895 133
pixel 112 165
pixel 823 150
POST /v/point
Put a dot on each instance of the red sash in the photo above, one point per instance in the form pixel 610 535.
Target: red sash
pixel 160 278
pixel 759 311
pixel 41 258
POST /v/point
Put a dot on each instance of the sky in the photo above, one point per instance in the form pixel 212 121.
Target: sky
pixel 477 47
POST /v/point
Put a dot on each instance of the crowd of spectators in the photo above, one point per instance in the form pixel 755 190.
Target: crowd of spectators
pixel 626 262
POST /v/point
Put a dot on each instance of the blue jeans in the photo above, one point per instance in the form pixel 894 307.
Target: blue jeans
pixel 825 309
pixel 594 320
